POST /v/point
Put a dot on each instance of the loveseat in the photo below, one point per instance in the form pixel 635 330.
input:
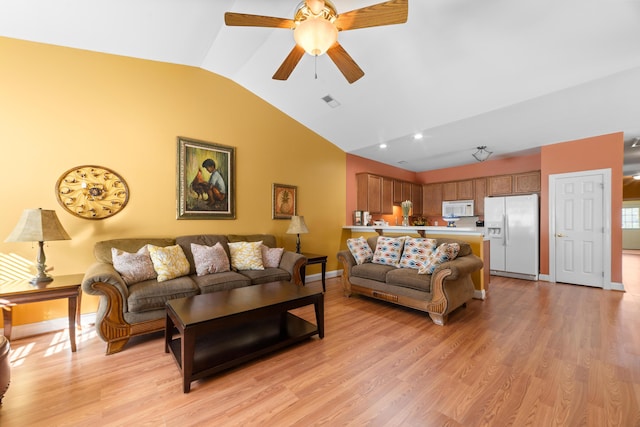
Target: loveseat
pixel 128 307
pixel 446 288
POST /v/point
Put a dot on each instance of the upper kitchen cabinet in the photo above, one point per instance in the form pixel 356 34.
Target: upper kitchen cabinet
pixel 480 191
pixel 457 190
pixel 416 199
pixel 374 194
pixel 401 191
pixel 521 183
pixel 432 199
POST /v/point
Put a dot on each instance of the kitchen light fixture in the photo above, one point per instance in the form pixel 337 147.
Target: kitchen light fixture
pixel 636 177
pixel 482 154
pixel 636 142
pixel 38 225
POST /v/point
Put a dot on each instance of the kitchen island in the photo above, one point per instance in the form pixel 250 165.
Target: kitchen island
pixel 472 235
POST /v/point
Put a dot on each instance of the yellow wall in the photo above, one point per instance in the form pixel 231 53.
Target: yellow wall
pixel 61 108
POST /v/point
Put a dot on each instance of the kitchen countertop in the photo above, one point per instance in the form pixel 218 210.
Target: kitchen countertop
pixel 420 229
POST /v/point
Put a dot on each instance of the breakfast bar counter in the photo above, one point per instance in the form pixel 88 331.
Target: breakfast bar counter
pixel 422 230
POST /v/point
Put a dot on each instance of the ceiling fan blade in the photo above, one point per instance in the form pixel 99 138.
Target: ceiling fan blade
pixel 345 63
pixel 387 13
pixel 244 20
pixel 289 63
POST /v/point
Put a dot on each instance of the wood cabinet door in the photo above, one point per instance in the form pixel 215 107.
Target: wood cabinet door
pixel 387 196
pixel 369 193
pixel 449 191
pixel 397 192
pixel 480 191
pixel 432 199
pixel 464 190
pixel 528 182
pixel 416 199
pixel 499 185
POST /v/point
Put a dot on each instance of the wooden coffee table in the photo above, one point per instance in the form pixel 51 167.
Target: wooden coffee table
pixel 212 332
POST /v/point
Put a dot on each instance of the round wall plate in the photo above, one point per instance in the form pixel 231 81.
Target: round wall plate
pixel 92 192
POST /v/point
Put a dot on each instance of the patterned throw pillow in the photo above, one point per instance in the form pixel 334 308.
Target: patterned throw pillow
pixel 271 256
pixel 246 255
pixel 360 250
pixel 169 262
pixel 388 250
pixel 445 252
pixel 209 259
pixel 415 252
pixel 133 268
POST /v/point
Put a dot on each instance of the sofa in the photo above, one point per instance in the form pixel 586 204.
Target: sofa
pixel 448 287
pixel 129 308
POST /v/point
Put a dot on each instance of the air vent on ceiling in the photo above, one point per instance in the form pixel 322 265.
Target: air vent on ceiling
pixel 331 102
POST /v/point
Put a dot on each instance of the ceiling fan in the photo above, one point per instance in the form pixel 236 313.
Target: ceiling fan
pixel 315 26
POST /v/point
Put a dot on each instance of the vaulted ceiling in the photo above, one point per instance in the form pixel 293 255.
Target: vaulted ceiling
pixel 513 75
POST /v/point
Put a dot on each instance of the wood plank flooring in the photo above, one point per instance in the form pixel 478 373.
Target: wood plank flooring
pixel 532 354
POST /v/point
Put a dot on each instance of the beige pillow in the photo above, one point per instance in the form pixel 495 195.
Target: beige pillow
pixel 271 256
pixel 209 259
pixel 133 268
pixel 169 262
pixel 246 255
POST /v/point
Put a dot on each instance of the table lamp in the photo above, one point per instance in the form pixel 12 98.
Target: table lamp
pixel 297 226
pixel 38 225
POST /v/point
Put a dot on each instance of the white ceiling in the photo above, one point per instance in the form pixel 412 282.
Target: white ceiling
pixel 513 75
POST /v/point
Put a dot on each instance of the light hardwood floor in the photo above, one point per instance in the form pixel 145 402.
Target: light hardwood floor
pixel 533 353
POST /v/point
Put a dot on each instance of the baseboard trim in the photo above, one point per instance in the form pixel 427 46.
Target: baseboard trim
pixel 46 326
pixel 543 278
pixel 479 294
pixel 615 286
pixel 318 276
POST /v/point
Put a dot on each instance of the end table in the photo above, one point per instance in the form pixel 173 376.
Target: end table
pixel 23 292
pixel 315 259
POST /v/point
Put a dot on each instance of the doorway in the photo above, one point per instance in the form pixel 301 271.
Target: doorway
pixel 580 228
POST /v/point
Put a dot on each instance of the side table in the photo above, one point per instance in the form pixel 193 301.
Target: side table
pixel 23 292
pixel 315 259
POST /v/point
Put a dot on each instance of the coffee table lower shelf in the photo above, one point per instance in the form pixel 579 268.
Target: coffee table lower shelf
pixel 229 347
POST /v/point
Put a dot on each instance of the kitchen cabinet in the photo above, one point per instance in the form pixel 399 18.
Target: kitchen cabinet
pixel 457 190
pixel 526 183
pixel 479 193
pixel 401 191
pixel 387 196
pixel 416 199
pixel 369 193
pixel 449 191
pixel 500 185
pixel 432 199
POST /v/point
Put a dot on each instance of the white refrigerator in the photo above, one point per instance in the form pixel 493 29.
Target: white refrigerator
pixel 512 226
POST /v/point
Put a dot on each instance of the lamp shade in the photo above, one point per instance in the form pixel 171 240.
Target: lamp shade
pixel 297 225
pixel 38 225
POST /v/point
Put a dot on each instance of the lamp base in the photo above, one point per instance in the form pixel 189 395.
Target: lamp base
pixel 41 279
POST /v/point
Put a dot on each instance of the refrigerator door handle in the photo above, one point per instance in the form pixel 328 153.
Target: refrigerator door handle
pixel 505 220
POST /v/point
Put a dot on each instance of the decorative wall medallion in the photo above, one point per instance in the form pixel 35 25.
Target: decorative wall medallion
pixel 92 192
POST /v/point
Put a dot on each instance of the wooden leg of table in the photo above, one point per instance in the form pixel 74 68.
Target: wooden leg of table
pixel 6 317
pixel 188 350
pixel 73 305
pixel 319 306
pixel 79 310
pixel 324 272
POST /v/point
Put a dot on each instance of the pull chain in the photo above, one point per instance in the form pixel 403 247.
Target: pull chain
pixel 315 66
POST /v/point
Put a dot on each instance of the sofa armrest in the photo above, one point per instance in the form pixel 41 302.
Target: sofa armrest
pixel 348 261
pixel 293 263
pixel 102 272
pixel 461 266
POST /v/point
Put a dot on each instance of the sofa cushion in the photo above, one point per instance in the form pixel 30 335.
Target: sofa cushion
pixel 409 278
pixel 267 275
pixel 388 250
pixel 372 271
pixel 465 247
pixel 152 295
pixel 271 256
pixel 445 252
pixel 210 259
pixel 246 255
pixel 416 251
pixel 169 262
pixel 135 267
pixel 221 281
pixel 200 239
pixel 360 250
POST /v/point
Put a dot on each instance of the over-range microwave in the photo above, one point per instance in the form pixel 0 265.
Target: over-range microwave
pixel 457 208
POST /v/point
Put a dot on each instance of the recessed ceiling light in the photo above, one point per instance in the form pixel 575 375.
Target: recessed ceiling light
pixel 418 136
pixel 383 146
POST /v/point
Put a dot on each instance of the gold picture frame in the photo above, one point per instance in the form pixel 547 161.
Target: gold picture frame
pixel 285 200
pixel 206 180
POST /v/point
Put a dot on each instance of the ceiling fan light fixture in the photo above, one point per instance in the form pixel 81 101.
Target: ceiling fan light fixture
pixel 482 154
pixel 315 35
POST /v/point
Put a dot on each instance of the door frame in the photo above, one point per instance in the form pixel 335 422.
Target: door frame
pixel 606 221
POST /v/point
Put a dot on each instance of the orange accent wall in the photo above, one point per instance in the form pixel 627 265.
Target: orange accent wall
pixel 598 152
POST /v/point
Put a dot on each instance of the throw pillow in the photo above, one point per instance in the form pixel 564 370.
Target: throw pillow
pixel 415 252
pixel 209 259
pixel 360 250
pixel 133 268
pixel 445 252
pixel 169 262
pixel 388 250
pixel 271 256
pixel 246 255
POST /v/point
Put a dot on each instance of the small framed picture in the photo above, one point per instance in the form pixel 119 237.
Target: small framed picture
pixel 357 217
pixel 285 198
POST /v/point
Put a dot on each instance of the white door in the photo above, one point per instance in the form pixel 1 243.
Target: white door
pixel 579 229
